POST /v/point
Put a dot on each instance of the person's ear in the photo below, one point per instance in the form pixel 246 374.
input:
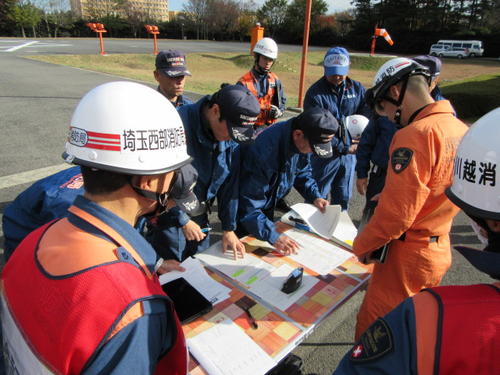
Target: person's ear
pixel 394 92
pixel 215 110
pixel 299 138
pixel 297 134
pixel 156 74
pixel 144 182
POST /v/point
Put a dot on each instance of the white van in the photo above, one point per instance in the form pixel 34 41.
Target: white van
pixel 472 47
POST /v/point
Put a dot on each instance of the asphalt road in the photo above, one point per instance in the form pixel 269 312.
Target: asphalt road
pixel 116 46
pixel 36 103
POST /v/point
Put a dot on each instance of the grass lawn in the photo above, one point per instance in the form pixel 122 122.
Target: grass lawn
pixel 211 69
pixel 471 83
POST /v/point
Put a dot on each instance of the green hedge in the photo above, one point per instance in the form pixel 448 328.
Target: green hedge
pixel 474 97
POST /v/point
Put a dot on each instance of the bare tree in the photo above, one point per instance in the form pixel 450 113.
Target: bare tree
pixel 196 11
pixel 54 12
pixel 247 18
pixel 137 16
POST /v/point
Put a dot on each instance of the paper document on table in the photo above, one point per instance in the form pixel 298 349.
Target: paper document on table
pixel 269 289
pixel 321 223
pixel 334 224
pixel 225 349
pixel 246 270
pixel 318 255
pixel 196 275
pixel 345 230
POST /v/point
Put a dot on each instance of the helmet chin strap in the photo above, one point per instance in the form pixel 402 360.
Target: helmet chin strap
pixel 397 118
pixel 160 198
pixel 397 103
pixel 257 66
pixel 260 69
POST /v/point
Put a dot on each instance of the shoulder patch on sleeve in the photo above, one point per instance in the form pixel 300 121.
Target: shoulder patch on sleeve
pixel 400 159
pixel 376 342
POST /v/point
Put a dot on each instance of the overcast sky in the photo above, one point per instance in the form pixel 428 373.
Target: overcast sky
pixel 334 5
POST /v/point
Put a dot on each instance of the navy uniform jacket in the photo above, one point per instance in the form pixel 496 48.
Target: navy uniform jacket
pixel 336 174
pixel 374 145
pixel 217 164
pixel 45 200
pixel 182 100
pixel 348 101
pixel 270 167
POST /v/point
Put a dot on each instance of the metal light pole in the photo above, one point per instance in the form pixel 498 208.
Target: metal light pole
pixel 305 45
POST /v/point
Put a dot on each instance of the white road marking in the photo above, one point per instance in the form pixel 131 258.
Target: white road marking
pixel 21 46
pixel 30 176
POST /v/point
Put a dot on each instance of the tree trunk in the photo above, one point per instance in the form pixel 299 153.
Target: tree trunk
pixel 34 31
pixel 22 32
pixel 48 26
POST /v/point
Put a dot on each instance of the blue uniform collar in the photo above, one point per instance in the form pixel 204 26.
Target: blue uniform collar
pixel 143 248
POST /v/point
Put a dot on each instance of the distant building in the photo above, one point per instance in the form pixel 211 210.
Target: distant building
pixel 148 9
pixel 173 14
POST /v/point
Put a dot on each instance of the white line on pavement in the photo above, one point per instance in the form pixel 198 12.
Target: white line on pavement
pixel 30 176
pixel 21 46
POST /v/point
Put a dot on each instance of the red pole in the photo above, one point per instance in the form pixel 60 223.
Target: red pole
pixel 101 43
pixel 305 44
pixel 374 40
pixel 155 44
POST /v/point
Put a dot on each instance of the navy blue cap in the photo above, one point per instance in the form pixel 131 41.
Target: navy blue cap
pixel 182 190
pixel 172 63
pixel 430 62
pixel 336 62
pixel 318 125
pixel 240 108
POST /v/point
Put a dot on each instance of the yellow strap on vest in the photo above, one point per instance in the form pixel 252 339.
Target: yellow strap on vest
pixel 111 233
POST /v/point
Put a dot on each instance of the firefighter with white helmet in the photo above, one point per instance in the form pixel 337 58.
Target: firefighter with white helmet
pixel 80 294
pixel 451 328
pixel 413 216
pixel 372 154
pixel 265 84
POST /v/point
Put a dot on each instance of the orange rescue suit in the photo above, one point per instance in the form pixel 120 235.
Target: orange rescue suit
pixel 249 81
pixel 413 205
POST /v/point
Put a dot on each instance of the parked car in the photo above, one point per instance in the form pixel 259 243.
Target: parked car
pixel 447 51
pixel 475 47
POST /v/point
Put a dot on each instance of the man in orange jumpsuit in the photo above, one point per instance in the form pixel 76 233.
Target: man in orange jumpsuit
pixel 413 217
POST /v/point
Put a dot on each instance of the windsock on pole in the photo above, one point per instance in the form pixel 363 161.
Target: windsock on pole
pixel 385 34
pixel 379 32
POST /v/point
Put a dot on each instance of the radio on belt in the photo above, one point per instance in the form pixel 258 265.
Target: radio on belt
pixel 293 281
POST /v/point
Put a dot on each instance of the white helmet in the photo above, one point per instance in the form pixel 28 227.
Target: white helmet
pixel 266 47
pixel 476 188
pixel 128 128
pixel 391 73
pixel 356 124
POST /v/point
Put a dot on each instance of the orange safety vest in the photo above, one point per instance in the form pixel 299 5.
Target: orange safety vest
pixel 250 82
pixel 84 295
pixel 457 330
